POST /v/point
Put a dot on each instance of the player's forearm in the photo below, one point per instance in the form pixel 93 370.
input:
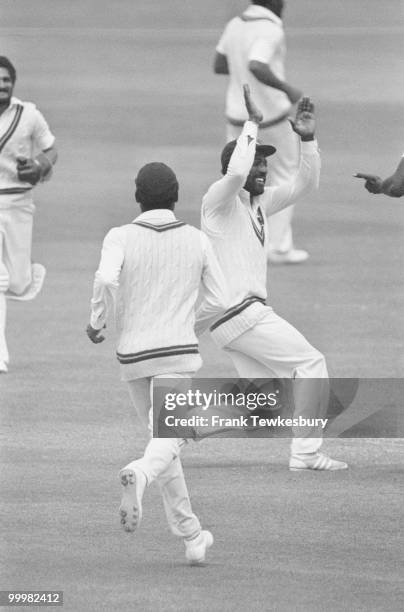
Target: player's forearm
pixel 102 302
pixel 305 181
pixel 221 195
pixel 46 160
pixel 394 185
pixel 243 155
pixel 220 64
pixel 265 75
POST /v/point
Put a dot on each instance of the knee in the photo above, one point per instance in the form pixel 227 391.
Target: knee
pixel 314 366
pixel 319 365
pixel 20 284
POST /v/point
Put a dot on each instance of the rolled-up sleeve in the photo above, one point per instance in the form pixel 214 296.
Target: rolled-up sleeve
pixel 42 137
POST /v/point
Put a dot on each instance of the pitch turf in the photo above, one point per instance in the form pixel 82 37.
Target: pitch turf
pixel 132 85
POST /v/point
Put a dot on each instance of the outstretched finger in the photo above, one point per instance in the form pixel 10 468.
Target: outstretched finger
pixel 367 177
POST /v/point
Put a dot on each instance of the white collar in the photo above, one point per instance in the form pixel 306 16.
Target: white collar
pixel 14 101
pixel 157 214
pixel 255 11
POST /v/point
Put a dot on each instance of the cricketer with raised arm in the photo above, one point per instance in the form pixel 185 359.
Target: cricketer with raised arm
pixel 234 216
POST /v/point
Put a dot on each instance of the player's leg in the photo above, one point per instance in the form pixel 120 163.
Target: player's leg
pixel 4 282
pixel 161 462
pixel 285 353
pixel 281 168
pixel 26 278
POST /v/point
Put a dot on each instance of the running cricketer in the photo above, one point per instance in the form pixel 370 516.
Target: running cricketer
pixel 27 154
pixel 392 186
pixel 234 216
pixel 151 270
pixel 252 49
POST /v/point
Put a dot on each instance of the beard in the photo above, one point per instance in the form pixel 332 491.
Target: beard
pixel 255 185
pixel 5 97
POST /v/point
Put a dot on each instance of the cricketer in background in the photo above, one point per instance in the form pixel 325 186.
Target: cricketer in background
pixel 152 270
pixel 392 186
pixel 27 154
pixel 252 50
pixel 234 216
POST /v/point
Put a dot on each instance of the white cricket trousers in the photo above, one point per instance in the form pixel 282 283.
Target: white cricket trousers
pixel 273 348
pixel 161 462
pixel 15 258
pixel 282 166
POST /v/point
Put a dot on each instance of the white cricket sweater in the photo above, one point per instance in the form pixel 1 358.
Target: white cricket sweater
pixel 150 270
pixel 237 229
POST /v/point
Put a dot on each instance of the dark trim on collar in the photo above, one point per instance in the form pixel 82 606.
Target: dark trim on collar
pixel 160 228
pixel 260 233
pixel 12 127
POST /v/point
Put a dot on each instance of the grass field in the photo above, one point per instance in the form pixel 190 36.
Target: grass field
pixel 123 84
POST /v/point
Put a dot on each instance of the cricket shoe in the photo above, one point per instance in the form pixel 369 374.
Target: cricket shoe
pixel 315 461
pixel 293 256
pixel 3 367
pixel 195 550
pixel 133 482
pixel 38 272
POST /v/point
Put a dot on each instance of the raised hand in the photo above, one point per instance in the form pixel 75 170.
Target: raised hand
pixel 373 183
pixel 254 113
pixel 304 123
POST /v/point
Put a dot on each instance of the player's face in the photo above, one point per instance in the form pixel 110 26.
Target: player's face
pixel 255 183
pixel 6 86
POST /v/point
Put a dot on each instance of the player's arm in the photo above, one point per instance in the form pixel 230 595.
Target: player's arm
pixel 220 198
pixel 215 299
pixel 259 63
pixel 264 74
pixel 308 175
pixel 39 168
pixel 220 64
pixel 395 186
pixel 106 283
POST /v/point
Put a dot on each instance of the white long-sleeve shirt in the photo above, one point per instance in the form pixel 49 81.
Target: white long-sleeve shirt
pixel 237 229
pixel 149 274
